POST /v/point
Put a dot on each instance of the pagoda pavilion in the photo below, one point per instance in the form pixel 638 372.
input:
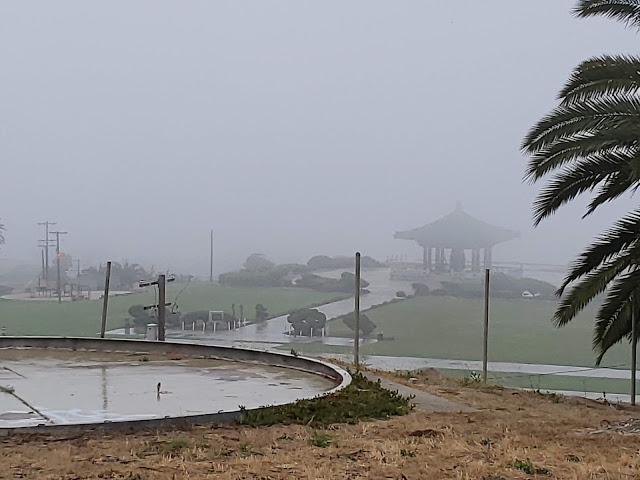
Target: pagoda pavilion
pixel 452 235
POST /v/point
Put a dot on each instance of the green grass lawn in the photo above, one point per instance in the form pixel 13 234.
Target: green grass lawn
pixel 447 327
pixel 83 318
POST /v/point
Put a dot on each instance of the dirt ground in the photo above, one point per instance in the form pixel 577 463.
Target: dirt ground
pixel 514 435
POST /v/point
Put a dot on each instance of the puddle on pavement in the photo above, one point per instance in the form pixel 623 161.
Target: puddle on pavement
pixel 79 387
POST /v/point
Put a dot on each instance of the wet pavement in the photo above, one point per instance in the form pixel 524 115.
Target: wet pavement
pixel 66 388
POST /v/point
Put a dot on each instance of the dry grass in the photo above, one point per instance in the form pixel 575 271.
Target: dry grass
pixel 556 434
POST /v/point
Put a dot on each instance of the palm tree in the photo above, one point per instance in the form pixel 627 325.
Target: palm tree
pixel 590 144
pixel 2 230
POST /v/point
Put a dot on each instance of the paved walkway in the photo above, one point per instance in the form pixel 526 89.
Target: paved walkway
pixel 423 401
pixel 381 288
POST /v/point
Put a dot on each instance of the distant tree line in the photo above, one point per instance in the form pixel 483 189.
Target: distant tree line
pixel 502 286
pixel 258 271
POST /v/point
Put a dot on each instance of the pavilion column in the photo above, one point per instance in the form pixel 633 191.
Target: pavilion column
pixel 475 260
pixel 487 257
pixel 443 259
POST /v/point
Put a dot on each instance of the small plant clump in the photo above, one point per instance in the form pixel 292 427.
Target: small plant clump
pixel 361 400
pixel 320 439
pixel 471 379
pixel 527 467
pixel 407 453
pixel 175 445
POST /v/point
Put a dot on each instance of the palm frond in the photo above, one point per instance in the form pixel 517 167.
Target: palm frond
pixel 602 76
pixel 613 322
pixel 627 11
pixel 611 329
pixel 622 236
pixel 579 120
pixel 2 230
pixel 614 186
pixel 580 177
pixel 612 140
pixel 591 285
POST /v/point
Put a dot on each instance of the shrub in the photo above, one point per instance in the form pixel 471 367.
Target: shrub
pixel 348 280
pixel 366 326
pixel 257 262
pixel 249 278
pixel 290 269
pixel 307 320
pixel 140 316
pixel 346 283
pixel 261 313
pixel 321 261
pixel 502 286
pixel 420 289
pixel 361 400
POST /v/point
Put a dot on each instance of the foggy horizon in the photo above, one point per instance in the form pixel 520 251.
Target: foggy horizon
pixel 289 129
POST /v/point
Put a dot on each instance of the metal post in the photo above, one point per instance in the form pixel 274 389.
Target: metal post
pixel 356 340
pixel 161 306
pixel 211 260
pixel 46 254
pixel 105 300
pixel 486 326
pixel 78 278
pixel 634 340
pixel 44 274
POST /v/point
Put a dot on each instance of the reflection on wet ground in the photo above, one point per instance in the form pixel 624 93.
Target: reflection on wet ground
pixel 43 387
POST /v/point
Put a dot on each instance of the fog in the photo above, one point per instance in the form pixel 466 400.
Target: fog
pixel 292 128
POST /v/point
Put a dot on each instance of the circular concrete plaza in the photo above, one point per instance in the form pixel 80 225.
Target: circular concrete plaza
pixel 65 385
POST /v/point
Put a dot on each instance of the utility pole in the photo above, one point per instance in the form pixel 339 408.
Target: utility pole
pixel 59 287
pixel 46 245
pixel 356 341
pixel 162 302
pixel 211 259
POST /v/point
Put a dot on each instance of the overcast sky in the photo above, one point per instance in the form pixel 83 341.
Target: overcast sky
pixel 290 127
